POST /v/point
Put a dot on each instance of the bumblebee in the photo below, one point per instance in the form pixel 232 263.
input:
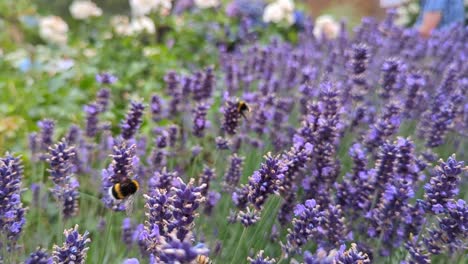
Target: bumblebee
pixel 242 108
pixel 202 259
pixel 124 192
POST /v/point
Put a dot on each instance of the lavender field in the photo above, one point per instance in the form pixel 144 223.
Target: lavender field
pixel 252 134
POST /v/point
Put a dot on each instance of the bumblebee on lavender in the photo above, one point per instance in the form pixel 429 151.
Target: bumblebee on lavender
pixel 242 108
pixel 202 259
pixel 124 192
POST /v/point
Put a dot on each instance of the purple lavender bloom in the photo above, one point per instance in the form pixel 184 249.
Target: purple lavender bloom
pixel 74 248
pixel 205 179
pixel 222 143
pixel 131 261
pixel 334 226
pixel 73 135
pixel 406 160
pixel 320 257
pixel 199 120
pixel 212 199
pixel 157 159
pixel 444 185
pixel 248 217
pixel 260 259
pixel 187 199
pixel 265 181
pixel 308 218
pixel 162 180
pixel 47 133
pixel 177 251
pixel 208 83
pixel 67 195
pixel 161 140
pixel 173 131
pixel 417 253
pixel 352 255
pixel 127 232
pixel 234 172
pixel 40 256
pixel 415 83
pixel 439 123
pixel 158 214
pixel 12 212
pixel 33 144
pixel 455 224
pixel 132 121
pixel 65 191
pixel 387 125
pixel 156 108
pixel 231 117
pixel 102 99
pixel 92 111
pixel 196 86
pixel 354 192
pixel 358 67
pixel 390 72
pixel 60 160
pixel 106 78
pixel 389 217
pixel 240 196
pixel 385 167
pixel 285 213
pixel 173 89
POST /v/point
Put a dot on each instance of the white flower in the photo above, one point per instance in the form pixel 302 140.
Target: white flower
pixel 121 25
pixel 281 10
pixel 403 17
pixel 286 4
pixel 413 8
pixel 143 24
pixel 53 29
pixel 327 26
pixel 206 3
pixel 83 9
pixel 144 7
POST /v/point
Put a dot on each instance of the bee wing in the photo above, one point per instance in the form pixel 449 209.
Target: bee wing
pixel 129 201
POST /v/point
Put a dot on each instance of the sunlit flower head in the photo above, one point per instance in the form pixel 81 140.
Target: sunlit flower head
pixel 53 29
pixel 84 9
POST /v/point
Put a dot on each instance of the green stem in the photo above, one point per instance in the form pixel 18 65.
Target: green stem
pixel 108 231
pixel 238 244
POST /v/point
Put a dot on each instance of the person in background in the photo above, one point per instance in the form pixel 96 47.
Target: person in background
pixel 391 3
pixel 437 14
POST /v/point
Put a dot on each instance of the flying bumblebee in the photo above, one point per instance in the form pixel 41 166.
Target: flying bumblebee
pixel 124 191
pixel 242 108
pixel 202 259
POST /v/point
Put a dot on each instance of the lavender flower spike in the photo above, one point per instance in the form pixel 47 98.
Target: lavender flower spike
pixel 12 212
pixel 265 181
pixel 102 99
pixel 47 132
pixel 444 185
pixel 234 173
pixel 40 256
pixel 231 117
pixel 133 120
pixel 199 120
pixel 74 248
pixel 106 78
pixel 92 111
pixel 60 159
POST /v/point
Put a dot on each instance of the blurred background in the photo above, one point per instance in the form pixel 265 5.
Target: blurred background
pixel 353 9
